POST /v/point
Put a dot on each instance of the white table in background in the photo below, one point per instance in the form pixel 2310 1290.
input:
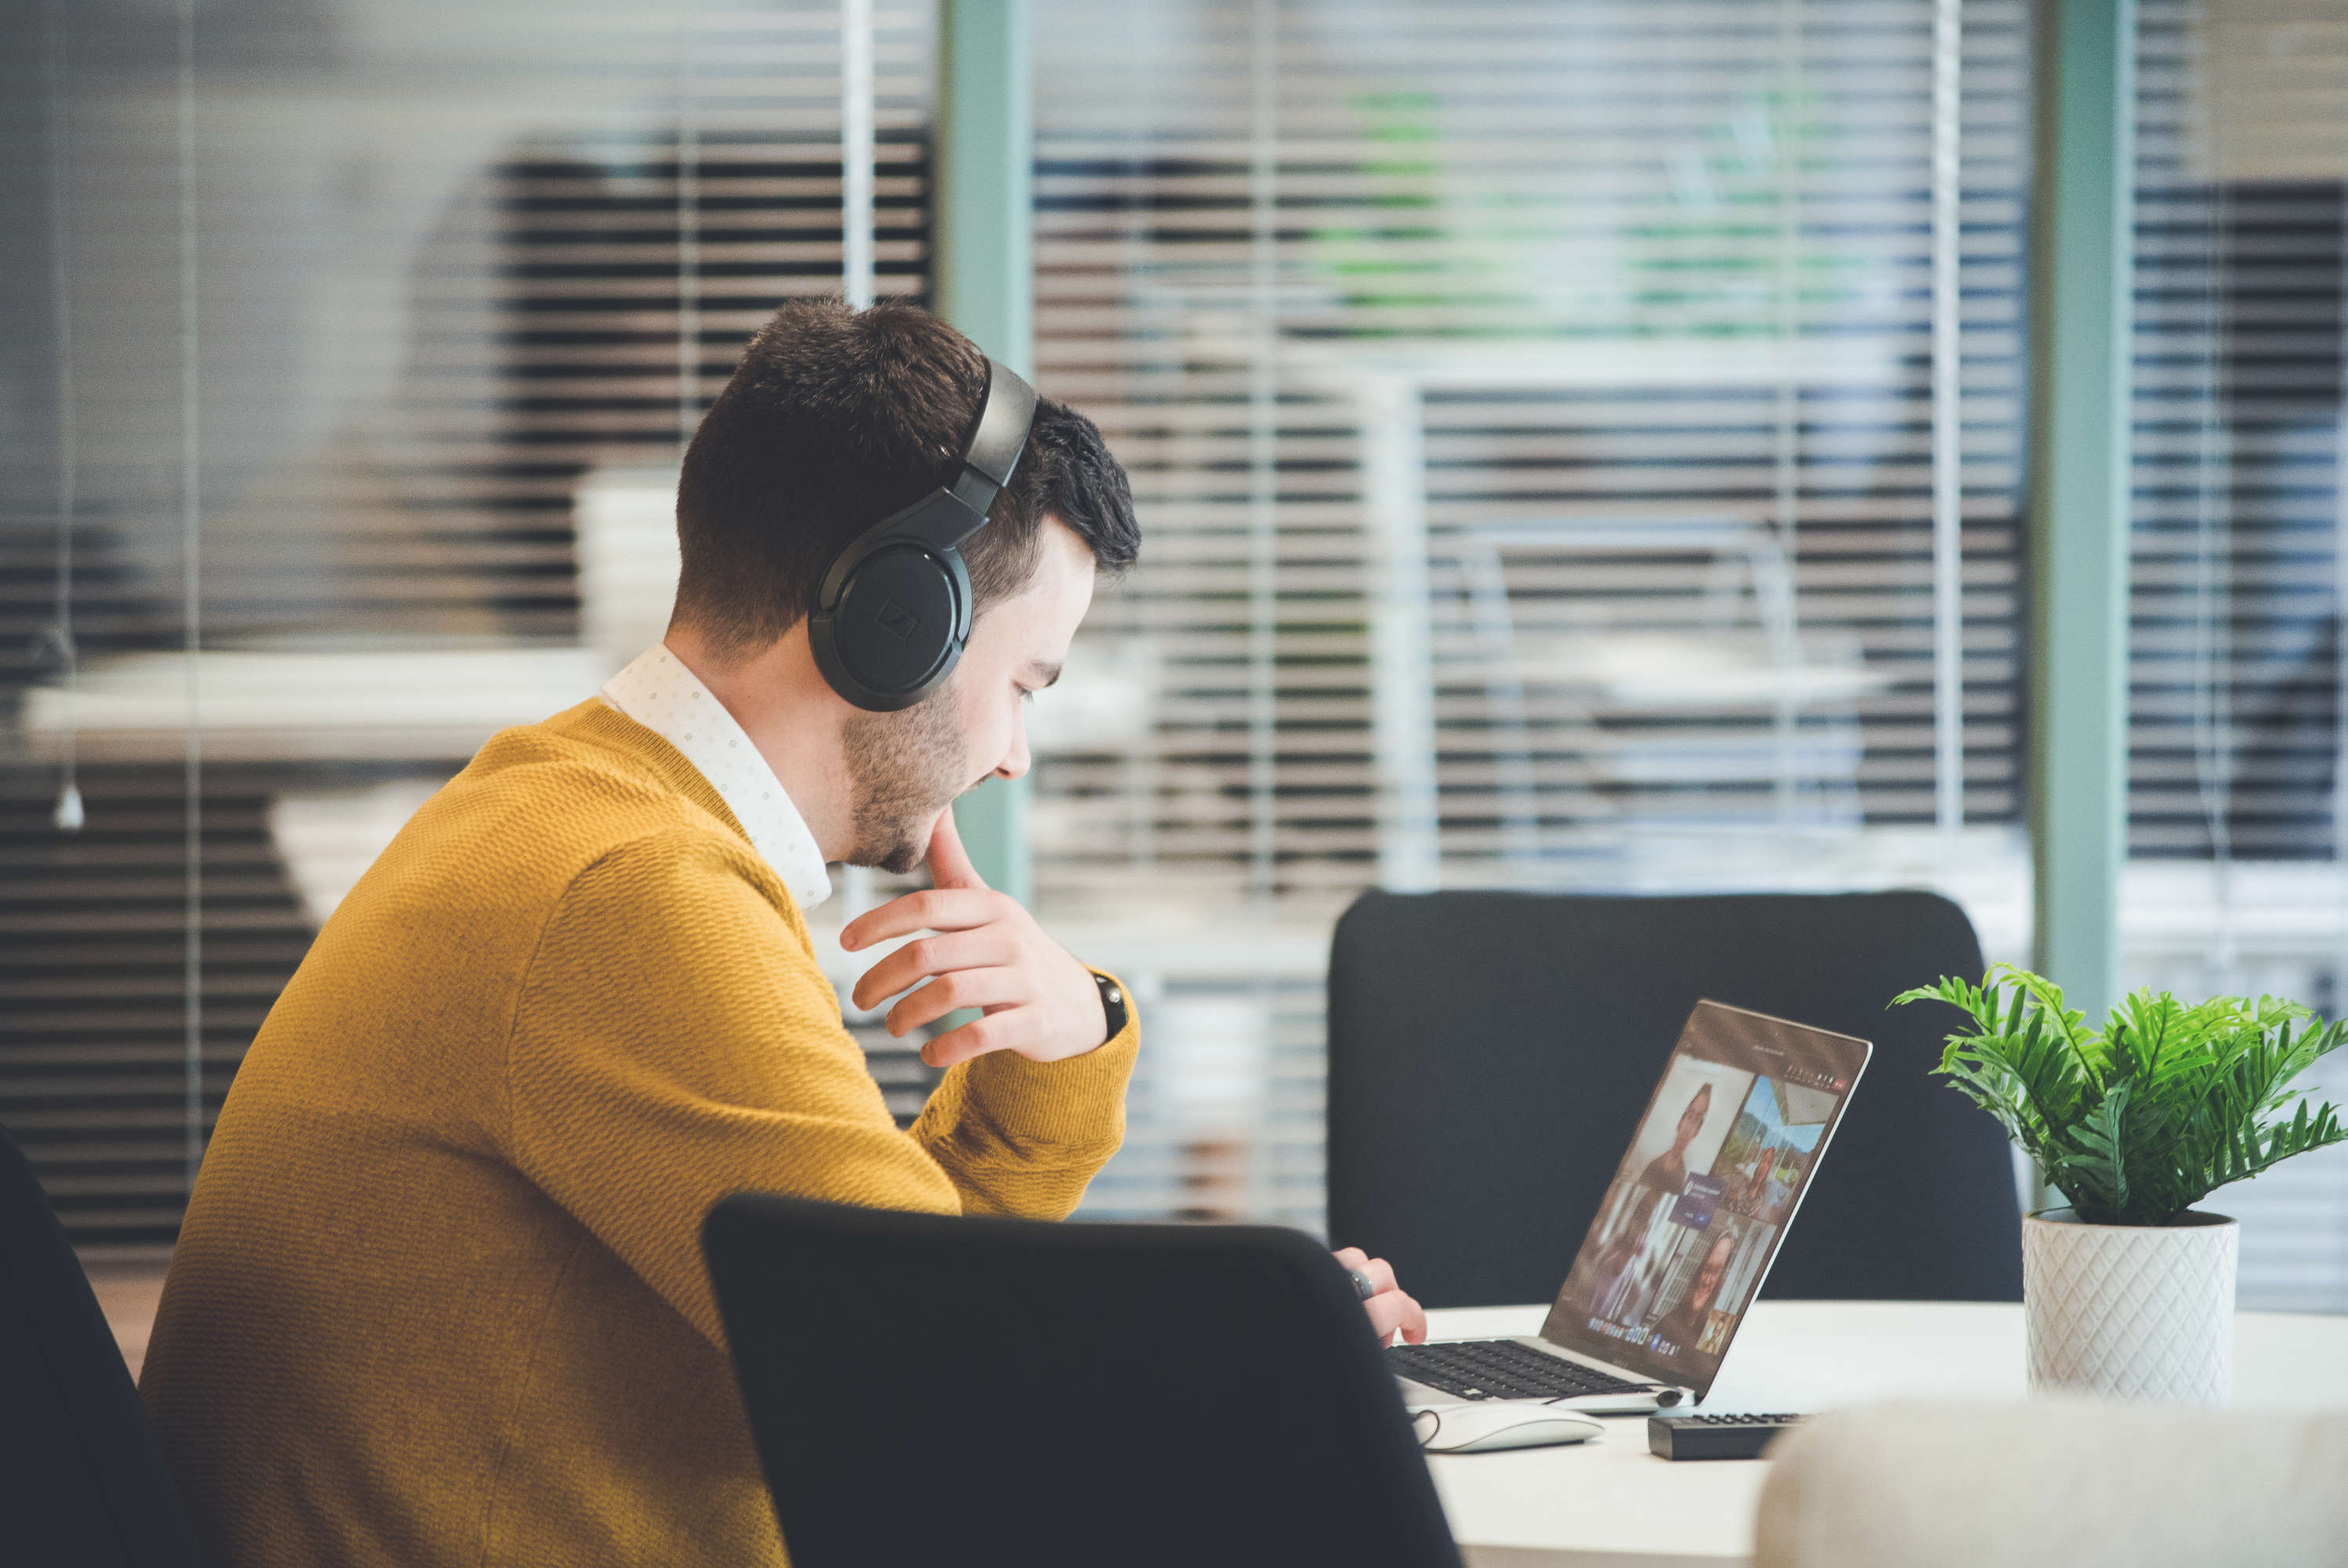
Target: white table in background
pixel 1609 1503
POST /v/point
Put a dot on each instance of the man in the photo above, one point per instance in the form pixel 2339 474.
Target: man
pixel 1681 1332
pixel 439 1295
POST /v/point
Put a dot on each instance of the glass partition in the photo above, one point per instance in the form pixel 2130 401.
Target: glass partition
pixel 2236 881
pixel 353 351
pixel 1578 447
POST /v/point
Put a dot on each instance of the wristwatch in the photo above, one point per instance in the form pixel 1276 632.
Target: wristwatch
pixel 1113 1006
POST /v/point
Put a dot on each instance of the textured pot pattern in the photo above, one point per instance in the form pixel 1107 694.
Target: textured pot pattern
pixel 2131 1312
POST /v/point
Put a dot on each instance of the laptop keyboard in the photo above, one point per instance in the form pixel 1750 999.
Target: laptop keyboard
pixel 1502 1370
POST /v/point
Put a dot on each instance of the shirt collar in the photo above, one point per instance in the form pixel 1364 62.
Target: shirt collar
pixel 658 692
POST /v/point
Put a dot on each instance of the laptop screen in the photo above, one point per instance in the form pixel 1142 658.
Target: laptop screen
pixel 1723 1154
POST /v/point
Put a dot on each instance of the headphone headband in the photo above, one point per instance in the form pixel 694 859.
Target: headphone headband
pixel 894 611
pixel 1003 420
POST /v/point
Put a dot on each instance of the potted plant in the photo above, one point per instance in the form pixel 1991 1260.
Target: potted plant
pixel 2128 1291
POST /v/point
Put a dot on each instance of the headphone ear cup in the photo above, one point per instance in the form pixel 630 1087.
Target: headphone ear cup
pixel 894 611
pixel 898 628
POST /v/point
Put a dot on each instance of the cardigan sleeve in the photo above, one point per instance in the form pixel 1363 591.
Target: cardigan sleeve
pixel 675 1041
pixel 1021 1137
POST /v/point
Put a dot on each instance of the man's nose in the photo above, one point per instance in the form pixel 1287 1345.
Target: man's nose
pixel 1015 764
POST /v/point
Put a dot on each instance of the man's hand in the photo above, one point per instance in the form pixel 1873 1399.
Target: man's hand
pixel 1390 1311
pixel 988 954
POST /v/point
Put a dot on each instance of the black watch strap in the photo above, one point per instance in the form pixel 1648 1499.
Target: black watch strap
pixel 1112 997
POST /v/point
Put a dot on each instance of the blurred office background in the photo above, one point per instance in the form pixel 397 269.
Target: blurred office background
pixel 1577 446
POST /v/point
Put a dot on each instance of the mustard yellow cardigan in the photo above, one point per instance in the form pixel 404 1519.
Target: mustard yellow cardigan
pixel 440 1298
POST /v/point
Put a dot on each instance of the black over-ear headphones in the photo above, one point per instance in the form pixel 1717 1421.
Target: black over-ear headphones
pixel 895 609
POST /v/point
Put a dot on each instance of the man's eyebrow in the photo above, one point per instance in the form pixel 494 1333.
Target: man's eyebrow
pixel 1043 675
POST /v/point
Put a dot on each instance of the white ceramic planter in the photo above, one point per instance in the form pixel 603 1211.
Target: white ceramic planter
pixel 2131 1312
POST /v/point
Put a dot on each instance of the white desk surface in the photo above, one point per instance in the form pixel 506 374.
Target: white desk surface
pixel 1609 1503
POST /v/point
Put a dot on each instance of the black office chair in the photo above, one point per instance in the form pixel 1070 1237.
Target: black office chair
pixel 1489 1054
pixel 81 1478
pixel 927 1389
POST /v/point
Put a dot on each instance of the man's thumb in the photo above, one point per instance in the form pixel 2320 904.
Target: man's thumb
pixel 949 862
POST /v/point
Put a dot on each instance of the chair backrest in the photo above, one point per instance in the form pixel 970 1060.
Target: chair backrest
pixel 1489 1054
pixel 930 1390
pixel 81 1478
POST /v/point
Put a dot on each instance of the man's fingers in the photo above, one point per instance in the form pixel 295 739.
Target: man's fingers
pixel 963 988
pixel 1391 1313
pixel 1354 1260
pixel 949 862
pixel 1413 1322
pixel 918 959
pixel 974 1038
pixel 945 909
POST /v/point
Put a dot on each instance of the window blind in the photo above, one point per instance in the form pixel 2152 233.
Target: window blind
pixel 1577 446
pixel 360 345
pixel 2234 778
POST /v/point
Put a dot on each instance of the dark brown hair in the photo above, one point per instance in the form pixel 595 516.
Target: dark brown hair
pixel 838 418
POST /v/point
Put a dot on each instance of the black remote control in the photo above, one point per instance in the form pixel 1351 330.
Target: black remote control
pixel 1714 1436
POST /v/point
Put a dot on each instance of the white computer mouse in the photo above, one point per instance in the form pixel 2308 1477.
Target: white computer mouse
pixel 1491 1425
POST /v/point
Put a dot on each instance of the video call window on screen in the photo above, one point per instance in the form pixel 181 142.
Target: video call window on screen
pixel 1696 1210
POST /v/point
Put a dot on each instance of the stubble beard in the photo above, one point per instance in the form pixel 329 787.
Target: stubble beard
pixel 904 767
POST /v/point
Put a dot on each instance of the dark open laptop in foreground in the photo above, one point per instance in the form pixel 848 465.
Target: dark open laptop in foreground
pixel 1723 1154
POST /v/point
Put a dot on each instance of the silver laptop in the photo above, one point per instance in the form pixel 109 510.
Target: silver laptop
pixel 1724 1153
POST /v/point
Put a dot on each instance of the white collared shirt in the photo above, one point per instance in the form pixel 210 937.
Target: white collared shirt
pixel 658 692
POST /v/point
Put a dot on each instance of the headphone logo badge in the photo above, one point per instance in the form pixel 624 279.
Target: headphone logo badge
pixel 896 619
